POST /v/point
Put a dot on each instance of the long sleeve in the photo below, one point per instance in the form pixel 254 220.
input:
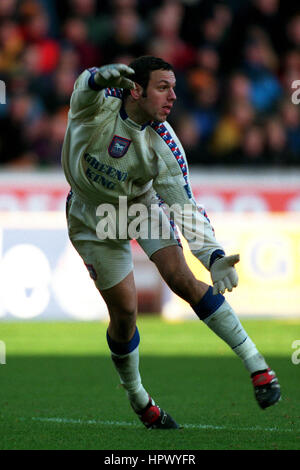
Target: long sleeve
pixel 173 186
pixel 87 97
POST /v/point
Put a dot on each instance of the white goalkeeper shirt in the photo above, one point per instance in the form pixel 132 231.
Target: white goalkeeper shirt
pixel 106 155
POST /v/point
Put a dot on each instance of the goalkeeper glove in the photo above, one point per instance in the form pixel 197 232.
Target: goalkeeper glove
pixel 114 75
pixel 223 274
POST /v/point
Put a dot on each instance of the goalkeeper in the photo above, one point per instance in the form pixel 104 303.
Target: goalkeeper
pixel 119 145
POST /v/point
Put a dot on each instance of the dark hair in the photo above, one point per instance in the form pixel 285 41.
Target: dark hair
pixel 143 66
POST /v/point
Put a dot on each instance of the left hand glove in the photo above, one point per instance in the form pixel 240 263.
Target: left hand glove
pixel 223 274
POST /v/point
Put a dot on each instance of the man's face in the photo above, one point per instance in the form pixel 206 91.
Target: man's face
pixel 160 96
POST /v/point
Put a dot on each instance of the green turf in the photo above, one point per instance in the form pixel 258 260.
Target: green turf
pixel 59 390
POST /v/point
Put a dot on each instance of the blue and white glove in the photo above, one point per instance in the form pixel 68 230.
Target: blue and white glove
pixel 114 75
pixel 223 274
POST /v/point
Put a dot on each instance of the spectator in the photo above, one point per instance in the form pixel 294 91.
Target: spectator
pixel 259 66
pixel 58 95
pixel 8 9
pixel 290 115
pixel 208 58
pixel 252 151
pixel 98 27
pixel 11 46
pixel 235 65
pixel 230 130
pixel 127 36
pixel 238 87
pixel 69 59
pixel 290 71
pixel 35 32
pixel 56 128
pixel 76 36
pixel 188 133
pixel 265 15
pixel 203 101
pixel 166 25
pixel 293 31
pixel 276 141
pixel 15 148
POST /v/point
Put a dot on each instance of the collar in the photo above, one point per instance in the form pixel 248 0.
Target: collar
pixel 129 121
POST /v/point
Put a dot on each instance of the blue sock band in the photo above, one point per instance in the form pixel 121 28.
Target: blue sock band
pixel 123 348
pixel 208 304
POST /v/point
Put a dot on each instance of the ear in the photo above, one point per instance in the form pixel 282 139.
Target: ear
pixel 136 92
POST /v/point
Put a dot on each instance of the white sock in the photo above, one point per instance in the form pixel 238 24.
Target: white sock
pixel 227 326
pixel 127 366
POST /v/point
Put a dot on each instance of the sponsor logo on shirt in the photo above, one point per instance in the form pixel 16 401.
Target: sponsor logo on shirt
pixel 96 167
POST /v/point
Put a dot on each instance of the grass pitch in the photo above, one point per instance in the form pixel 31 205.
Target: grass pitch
pixel 60 391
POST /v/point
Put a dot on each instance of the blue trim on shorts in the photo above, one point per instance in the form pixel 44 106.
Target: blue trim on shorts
pixel 123 348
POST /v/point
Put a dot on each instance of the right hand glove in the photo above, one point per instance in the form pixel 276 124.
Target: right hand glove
pixel 114 75
pixel 223 274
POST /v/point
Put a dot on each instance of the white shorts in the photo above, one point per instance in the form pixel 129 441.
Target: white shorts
pixel 109 260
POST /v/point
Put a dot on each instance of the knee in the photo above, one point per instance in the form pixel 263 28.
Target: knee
pixel 123 322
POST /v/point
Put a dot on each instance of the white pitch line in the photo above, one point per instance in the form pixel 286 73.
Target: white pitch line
pixel 137 425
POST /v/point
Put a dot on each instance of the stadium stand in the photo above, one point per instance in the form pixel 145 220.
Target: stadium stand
pixel 235 63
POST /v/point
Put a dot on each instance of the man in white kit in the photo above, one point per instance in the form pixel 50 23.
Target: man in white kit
pixel 119 147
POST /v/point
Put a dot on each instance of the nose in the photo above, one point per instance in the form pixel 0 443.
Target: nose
pixel 172 95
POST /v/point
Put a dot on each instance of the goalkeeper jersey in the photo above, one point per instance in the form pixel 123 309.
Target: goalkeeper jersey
pixel 106 155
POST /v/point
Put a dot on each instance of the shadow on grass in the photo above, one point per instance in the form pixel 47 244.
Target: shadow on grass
pixel 205 391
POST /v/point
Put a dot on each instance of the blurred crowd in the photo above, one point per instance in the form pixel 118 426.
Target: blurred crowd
pixel 236 63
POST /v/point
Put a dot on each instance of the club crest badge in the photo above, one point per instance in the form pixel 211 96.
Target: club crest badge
pixel 118 146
